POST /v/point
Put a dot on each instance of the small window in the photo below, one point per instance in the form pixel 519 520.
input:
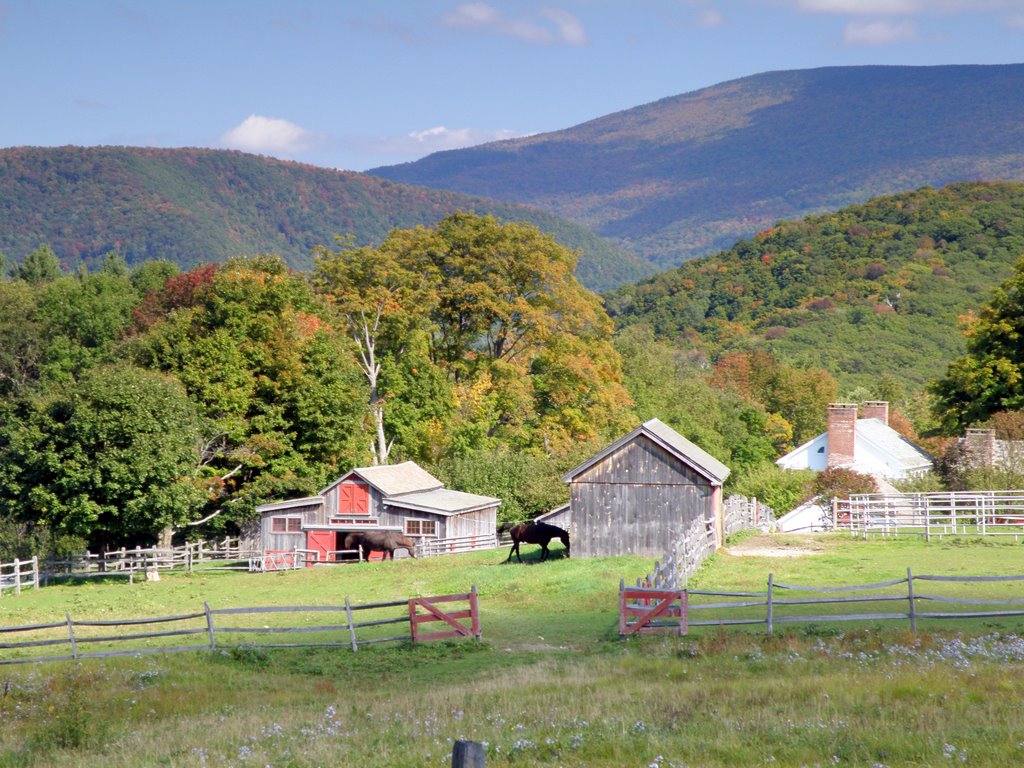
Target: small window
pixel 822 449
pixel 420 527
pixel 286 525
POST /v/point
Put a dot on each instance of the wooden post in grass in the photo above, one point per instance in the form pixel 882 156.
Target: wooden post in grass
pixel 209 626
pixel 770 618
pixel 71 635
pixel 351 628
pixel 35 572
pixel 910 599
pixel 468 754
pixel 17 576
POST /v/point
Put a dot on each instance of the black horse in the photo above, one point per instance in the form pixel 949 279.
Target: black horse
pixel 536 533
pixel 380 541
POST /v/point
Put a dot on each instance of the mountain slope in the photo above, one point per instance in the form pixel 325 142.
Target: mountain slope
pixel 196 205
pixel 689 174
pixel 871 290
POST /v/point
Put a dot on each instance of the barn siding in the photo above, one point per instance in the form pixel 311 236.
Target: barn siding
pixel 310 514
pixel 480 523
pixel 636 501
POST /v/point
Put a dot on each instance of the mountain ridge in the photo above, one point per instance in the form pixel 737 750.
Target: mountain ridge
pixel 193 205
pixel 690 174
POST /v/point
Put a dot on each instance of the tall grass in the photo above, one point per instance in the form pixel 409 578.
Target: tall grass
pixel 551 684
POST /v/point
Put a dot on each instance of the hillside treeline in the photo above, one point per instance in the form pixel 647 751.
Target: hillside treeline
pixel 136 401
pixel 869 292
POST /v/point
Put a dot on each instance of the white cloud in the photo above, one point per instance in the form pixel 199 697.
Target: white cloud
pixel 709 17
pixel 441 138
pixel 271 136
pixel 862 7
pixel 1016 21
pixel 554 26
pixel 878 32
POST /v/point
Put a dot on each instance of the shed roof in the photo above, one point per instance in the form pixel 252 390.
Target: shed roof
pixel 393 479
pixel 442 501
pixel 677 445
pixel 280 506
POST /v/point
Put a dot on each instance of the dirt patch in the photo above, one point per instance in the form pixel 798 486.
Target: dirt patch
pixel 774 546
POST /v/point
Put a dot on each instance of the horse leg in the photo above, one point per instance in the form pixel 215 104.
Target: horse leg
pixel 515 548
pixel 543 551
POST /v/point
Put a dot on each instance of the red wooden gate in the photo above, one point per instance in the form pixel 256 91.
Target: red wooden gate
pixel 451 618
pixel 640 606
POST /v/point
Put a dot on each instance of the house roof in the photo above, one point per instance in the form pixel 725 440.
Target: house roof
pixel 670 440
pixel 279 506
pixel 884 437
pixel 442 501
pixel 899 449
pixel 393 479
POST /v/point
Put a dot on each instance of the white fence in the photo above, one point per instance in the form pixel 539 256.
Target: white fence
pixel 20 573
pixel 974 513
pixel 741 514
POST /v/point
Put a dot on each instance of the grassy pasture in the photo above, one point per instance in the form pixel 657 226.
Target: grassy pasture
pixel 551 684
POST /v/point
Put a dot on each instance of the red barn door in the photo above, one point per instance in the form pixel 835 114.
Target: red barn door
pixel 320 542
pixel 353 499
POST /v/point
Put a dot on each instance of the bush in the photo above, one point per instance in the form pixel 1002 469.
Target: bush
pixel 781 489
pixel 841 483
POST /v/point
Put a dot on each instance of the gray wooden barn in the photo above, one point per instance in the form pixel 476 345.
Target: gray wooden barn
pixel 399 497
pixel 638 495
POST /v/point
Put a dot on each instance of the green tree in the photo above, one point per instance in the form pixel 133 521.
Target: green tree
pixel 110 459
pixel 274 381
pixel 382 293
pixel 39 266
pixel 990 377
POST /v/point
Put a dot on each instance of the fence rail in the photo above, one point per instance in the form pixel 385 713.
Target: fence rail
pixel 19 574
pixel 978 513
pixel 678 610
pixel 212 624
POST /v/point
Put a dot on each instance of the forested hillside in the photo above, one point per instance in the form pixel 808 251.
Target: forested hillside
pixel 194 206
pixel 691 174
pixel 135 400
pixel 873 290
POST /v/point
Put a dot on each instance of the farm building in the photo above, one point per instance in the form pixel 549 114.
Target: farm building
pixel 866 444
pixel 639 495
pixel 399 497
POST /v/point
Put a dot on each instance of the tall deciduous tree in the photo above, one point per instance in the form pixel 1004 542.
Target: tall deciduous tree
pixel 382 293
pixel 110 458
pixel 990 377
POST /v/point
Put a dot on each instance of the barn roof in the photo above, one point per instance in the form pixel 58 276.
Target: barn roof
pixel 393 479
pixel 280 506
pixel 442 501
pixel 670 440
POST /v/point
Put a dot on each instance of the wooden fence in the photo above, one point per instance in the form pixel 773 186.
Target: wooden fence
pixel 741 513
pixel 647 609
pixel 20 573
pixel 112 635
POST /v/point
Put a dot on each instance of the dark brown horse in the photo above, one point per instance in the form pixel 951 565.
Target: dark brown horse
pixel 536 533
pixel 380 541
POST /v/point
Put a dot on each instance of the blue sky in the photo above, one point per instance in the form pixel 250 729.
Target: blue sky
pixel 359 84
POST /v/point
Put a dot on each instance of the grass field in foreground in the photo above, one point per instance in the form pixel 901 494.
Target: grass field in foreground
pixel 551 685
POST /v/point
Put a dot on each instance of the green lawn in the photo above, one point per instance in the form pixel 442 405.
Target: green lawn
pixel 551 684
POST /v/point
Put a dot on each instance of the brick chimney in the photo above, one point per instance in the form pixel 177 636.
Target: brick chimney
pixel 842 423
pixel 876 409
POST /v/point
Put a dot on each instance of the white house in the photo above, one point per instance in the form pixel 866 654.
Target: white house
pixel 866 444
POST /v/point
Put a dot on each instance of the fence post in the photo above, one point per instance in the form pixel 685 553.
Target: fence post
pixel 835 513
pixel 35 572
pixel 468 754
pixel 17 576
pixel 351 627
pixel 209 626
pixel 684 607
pixel 474 612
pixel 71 635
pixel 910 599
pixel 770 618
